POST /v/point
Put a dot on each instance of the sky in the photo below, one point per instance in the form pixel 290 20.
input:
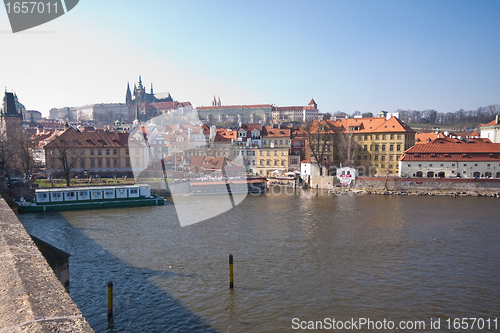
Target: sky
pixel 349 56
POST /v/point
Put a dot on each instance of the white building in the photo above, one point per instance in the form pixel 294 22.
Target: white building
pixel 491 131
pixel 452 158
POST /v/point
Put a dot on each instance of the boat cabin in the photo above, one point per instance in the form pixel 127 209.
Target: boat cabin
pixel 77 194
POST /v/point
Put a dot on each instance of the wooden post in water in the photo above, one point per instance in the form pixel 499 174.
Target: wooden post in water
pixel 231 282
pixel 110 299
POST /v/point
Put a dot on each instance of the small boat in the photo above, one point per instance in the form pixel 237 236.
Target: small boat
pixel 91 197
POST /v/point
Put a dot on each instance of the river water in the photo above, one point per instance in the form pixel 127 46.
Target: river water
pixel 398 258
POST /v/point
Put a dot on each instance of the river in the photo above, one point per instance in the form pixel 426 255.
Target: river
pixel 302 256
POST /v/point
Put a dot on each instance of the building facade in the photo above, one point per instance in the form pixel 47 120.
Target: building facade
pixel 452 158
pixel 99 153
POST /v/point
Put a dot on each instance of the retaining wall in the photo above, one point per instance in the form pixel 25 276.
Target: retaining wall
pixel 32 298
pixel 425 184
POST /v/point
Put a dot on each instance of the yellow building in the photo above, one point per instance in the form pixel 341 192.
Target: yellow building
pixel 95 153
pixel 375 143
pixel 273 154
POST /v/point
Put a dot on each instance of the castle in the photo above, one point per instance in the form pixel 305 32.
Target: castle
pixel 142 97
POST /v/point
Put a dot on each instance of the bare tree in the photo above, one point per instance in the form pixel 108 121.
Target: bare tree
pixel 321 137
pixel 347 149
pixel 63 159
pixel 7 155
pixel 24 152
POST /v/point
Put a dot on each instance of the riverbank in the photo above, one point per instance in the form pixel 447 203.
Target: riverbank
pixel 491 194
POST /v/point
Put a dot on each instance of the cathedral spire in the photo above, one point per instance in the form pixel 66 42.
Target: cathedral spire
pixel 128 96
pixel 140 83
pixel 151 88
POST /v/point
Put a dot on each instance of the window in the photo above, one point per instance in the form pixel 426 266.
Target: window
pixel 115 162
pixel 465 164
pixel 107 151
pixel 282 162
pixel 453 164
pixel 275 142
pixel 376 147
pixel 398 148
pixel 261 162
pixel 99 152
pixel 365 147
pixel 383 138
pixel 475 165
pixel 365 157
pixel 392 138
pixel 253 153
pixel 390 166
pixel 264 141
pixel 283 153
pixel 115 151
pixel 126 152
pixel 383 157
pixel 409 165
pixel 399 136
pixel 92 163
pixel 82 152
pixel 99 162
pixel 391 147
pixel 366 137
pixel 430 164
pixel 376 157
pixel 268 153
pixel 376 137
pixel 261 153
pixel 275 153
pixel 127 162
pixel 391 157
pixel 108 162
pixel 268 162
pixel 276 162
pixel 82 163
pixel 441 165
pixel 91 151
pixel 281 142
pixel 383 147
pixel 359 157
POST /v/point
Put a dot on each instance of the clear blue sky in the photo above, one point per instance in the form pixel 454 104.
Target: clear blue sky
pixel 348 55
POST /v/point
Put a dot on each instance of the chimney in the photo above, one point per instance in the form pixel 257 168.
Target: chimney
pixel 279 125
pixel 496 119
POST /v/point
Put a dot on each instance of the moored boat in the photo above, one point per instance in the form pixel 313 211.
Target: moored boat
pixel 92 197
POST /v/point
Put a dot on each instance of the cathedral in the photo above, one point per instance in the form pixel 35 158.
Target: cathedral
pixel 141 97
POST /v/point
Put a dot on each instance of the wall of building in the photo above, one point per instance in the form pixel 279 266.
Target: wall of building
pixel 449 168
pixel 33 299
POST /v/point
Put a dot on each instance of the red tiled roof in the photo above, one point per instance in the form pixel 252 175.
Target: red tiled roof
pixel 273 131
pixel 453 150
pixel 422 138
pixel 75 139
pixel 491 123
pixel 373 125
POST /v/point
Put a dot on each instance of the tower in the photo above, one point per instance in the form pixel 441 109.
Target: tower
pixel 128 96
pixel 11 119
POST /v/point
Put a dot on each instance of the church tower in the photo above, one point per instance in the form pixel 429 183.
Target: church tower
pixel 128 96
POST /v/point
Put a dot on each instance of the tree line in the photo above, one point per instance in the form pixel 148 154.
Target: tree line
pixel 482 115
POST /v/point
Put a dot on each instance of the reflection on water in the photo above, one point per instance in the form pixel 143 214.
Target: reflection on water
pixel 296 256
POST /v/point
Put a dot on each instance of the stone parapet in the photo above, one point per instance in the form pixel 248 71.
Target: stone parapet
pixel 32 298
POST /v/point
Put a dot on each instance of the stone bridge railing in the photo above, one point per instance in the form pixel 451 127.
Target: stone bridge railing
pixel 31 297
